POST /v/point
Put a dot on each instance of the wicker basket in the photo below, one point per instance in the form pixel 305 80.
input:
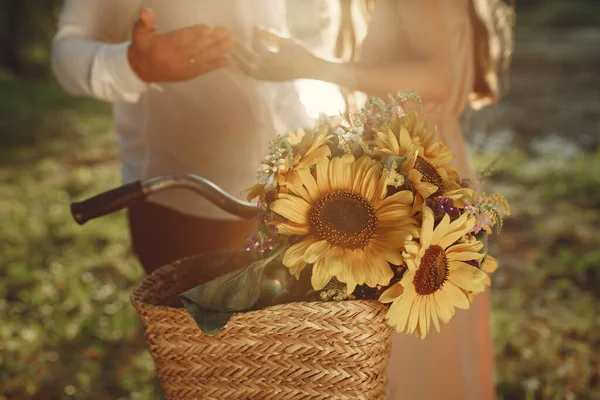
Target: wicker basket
pixel 317 350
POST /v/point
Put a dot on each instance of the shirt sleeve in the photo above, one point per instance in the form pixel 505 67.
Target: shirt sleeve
pixel 89 51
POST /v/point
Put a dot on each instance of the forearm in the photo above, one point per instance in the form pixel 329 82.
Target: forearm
pixel 84 67
pixel 89 51
pixel 425 77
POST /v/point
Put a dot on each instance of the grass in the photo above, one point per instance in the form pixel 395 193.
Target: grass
pixel 69 331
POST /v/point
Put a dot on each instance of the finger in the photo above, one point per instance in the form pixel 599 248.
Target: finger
pixel 144 28
pixel 148 18
pixel 268 37
pixel 183 37
pixel 217 63
pixel 216 50
pixel 221 32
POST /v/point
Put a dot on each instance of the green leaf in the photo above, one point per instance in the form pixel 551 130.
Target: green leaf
pixel 388 162
pixel 213 303
pixel 210 322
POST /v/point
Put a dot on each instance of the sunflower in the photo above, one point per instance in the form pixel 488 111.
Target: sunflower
pixel 306 148
pixel 351 230
pixel 427 163
pixel 402 133
pixel 438 276
pixel 428 181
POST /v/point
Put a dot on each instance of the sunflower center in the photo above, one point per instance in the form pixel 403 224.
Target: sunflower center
pixel 430 174
pixel 344 219
pixel 432 272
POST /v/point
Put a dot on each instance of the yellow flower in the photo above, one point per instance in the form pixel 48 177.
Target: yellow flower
pixel 352 230
pixel 490 265
pixel 311 146
pixel 437 276
pixel 401 134
pixel 427 180
pixel 308 148
pixel 427 163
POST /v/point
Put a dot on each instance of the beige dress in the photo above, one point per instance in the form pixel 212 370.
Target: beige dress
pixel 457 363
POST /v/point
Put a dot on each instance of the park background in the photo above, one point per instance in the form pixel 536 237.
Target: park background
pixel 69 331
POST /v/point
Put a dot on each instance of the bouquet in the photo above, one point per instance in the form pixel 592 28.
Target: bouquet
pixel 370 207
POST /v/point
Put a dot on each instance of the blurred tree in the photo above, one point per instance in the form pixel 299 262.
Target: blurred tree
pixel 26 29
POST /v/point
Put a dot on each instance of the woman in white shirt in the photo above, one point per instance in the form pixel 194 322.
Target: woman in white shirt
pixel 178 107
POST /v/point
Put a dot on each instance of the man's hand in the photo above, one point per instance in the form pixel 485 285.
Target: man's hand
pixel 178 55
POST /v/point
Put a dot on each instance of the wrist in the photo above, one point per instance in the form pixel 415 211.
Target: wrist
pixel 339 73
pixel 135 64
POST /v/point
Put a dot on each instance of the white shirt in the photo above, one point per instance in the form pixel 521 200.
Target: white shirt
pixel 217 125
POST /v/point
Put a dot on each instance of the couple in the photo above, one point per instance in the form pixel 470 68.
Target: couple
pixel 196 88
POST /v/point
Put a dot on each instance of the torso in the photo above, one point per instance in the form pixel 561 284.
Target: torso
pixel 390 38
pixel 217 125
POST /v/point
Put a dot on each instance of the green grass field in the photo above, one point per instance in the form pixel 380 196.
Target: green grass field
pixel 68 329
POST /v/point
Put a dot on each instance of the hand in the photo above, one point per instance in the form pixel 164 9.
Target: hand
pixel 276 58
pixel 177 55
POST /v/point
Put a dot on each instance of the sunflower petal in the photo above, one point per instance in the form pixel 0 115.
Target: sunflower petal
pixel 320 275
pixel 435 314
pixel 467 277
pixel 385 251
pixel 359 171
pixel 294 255
pixel 405 140
pixel 474 246
pixel 309 183
pixel 441 229
pixel 392 293
pixel 399 312
pixel 404 197
pixel 490 265
pixel 368 187
pixel 312 157
pixel 456 230
pixel 423 317
pixel 323 175
pixel 464 256
pixel 316 251
pixel 427 227
pixel 293 208
pixel 340 172
pixel 413 320
pixel 445 306
pixel 379 272
pixel 292 229
pixel 457 297
pixel 428 302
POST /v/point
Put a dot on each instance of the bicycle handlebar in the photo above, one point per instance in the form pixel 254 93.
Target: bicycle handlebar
pixel 129 194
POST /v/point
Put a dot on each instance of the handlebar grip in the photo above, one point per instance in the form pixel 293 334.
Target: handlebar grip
pixel 108 202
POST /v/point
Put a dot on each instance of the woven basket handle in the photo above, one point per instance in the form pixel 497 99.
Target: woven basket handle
pixel 135 192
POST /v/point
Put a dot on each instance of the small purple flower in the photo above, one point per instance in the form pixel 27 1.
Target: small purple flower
pixel 445 205
pixel 263 212
pixel 260 242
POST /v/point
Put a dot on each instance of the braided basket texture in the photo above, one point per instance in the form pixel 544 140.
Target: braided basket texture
pixel 312 350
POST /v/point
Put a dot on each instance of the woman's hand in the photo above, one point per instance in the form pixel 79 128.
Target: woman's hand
pixel 178 55
pixel 276 58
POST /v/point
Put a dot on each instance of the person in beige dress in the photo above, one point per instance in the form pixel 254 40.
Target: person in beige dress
pixel 450 53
